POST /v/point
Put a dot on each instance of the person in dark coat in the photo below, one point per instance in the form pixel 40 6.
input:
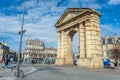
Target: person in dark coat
pixel 6 63
pixel 49 62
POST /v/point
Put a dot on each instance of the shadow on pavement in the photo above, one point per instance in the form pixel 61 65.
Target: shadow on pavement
pixel 51 69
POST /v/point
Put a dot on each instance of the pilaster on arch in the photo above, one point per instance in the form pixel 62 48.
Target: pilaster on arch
pixel 61 48
pixel 82 41
pixel 59 45
pixel 63 44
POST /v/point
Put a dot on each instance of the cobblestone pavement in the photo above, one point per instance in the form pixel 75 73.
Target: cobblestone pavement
pixel 52 72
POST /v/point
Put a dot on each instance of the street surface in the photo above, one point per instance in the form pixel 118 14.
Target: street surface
pixel 53 72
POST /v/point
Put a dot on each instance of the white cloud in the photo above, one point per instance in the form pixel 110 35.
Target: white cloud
pixel 9 24
pixel 38 23
pixel 90 4
pixel 40 19
pixel 114 2
pixel 109 29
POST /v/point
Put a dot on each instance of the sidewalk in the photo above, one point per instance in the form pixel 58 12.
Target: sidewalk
pixel 5 74
pixel 67 72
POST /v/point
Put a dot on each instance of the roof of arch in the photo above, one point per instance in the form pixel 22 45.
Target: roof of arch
pixel 72 32
pixel 72 12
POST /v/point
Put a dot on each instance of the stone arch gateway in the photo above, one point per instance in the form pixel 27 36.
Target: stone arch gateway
pixel 86 22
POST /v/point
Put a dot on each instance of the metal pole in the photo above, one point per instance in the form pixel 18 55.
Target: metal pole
pixel 2 44
pixel 20 45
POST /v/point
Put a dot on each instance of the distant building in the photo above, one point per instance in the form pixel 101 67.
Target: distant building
pixel 108 43
pixel 35 49
pixel 13 55
pixel 50 54
pixel 4 50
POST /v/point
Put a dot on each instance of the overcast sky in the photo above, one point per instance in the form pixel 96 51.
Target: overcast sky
pixel 41 15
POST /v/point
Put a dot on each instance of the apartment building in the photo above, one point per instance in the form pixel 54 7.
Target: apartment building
pixel 108 43
pixel 35 49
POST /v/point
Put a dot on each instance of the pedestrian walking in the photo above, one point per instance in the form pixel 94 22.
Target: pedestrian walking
pixel 11 60
pixel 48 62
pixel 21 62
pixel 5 63
pixel 32 61
pixel 112 65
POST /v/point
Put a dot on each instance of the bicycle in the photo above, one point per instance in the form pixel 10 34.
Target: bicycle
pixel 14 72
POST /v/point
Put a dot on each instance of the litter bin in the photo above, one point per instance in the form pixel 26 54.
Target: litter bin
pixel 106 63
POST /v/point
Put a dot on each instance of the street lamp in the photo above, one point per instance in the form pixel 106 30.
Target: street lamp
pixel 20 45
pixel 2 43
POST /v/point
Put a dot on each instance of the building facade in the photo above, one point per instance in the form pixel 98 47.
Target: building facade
pixel 108 43
pixel 13 56
pixel 4 51
pixel 50 54
pixel 35 49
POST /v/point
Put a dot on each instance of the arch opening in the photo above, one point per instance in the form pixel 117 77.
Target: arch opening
pixel 75 47
pixel 72 47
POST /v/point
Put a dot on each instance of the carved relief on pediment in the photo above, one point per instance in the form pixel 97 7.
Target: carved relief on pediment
pixel 70 15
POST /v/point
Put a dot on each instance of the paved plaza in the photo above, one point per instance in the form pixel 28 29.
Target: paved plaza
pixel 53 72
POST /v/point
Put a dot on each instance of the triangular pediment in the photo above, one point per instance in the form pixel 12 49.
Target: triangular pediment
pixel 70 13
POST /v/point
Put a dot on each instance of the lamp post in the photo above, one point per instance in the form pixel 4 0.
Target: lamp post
pixel 118 43
pixel 20 44
pixel 2 50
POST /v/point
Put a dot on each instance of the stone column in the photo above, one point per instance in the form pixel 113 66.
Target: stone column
pixel 90 39
pixel 59 45
pixel 60 54
pixel 62 45
pixel 82 40
pixel 82 46
pixel 68 45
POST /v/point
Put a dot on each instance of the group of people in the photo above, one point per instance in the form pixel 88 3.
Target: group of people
pixel 34 61
pixel 6 62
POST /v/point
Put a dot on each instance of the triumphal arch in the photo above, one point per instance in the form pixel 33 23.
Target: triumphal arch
pixel 86 23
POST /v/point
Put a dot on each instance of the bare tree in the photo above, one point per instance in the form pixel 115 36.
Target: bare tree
pixel 115 53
